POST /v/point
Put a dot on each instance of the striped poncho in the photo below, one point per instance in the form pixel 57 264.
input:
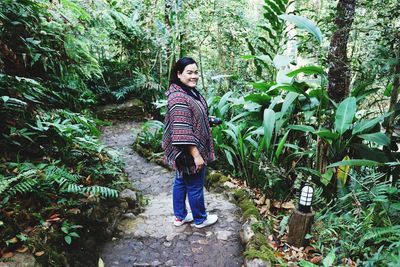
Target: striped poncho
pixel 186 123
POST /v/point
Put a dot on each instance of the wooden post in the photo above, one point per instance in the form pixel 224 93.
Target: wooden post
pixel 299 226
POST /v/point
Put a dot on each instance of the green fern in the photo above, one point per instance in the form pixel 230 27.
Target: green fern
pixel 21 183
pixel 385 235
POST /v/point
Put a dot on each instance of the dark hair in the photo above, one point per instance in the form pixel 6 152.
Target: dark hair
pixel 179 66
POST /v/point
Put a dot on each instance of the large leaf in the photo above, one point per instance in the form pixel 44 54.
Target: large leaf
pixel 306 70
pixel 269 125
pixel 355 162
pixel 345 114
pixel 379 138
pixel 326 134
pixel 327 177
pixel 366 125
pixel 289 99
pixel 343 172
pixel 259 98
pixel 303 128
pixel 280 147
pixel 304 23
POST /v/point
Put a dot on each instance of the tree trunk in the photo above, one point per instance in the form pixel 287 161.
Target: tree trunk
pixel 394 98
pixel 339 71
pixel 168 27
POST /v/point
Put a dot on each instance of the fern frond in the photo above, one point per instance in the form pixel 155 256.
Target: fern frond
pixel 380 234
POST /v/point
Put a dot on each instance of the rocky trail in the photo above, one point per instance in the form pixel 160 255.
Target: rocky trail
pixel 150 238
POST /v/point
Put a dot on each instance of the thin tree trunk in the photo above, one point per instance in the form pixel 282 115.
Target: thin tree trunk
pixel 168 27
pixel 339 71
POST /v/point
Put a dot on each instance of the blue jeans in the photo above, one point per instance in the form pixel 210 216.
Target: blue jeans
pixel 192 185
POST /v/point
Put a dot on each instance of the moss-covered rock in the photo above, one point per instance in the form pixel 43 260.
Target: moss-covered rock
pixel 264 252
pixel 215 181
pixel 257 241
pixel 241 194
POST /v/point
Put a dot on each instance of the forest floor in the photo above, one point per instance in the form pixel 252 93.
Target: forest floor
pixel 150 238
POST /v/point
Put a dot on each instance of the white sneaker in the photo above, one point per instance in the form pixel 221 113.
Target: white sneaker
pixel 211 219
pixel 188 218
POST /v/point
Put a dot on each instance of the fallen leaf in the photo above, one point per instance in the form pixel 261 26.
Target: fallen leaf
pixel 28 229
pixel 74 211
pixel 263 210
pixel 285 205
pixel 12 240
pixel 22 249
pixel 308 249
pixel 39 253
pixel 54 216
pixel 316 259
pixel 7 255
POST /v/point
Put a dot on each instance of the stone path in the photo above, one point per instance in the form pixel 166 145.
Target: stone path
pixel 150 239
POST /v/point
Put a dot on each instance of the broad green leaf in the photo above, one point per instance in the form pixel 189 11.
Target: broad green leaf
pixel 343 172
pixel 304 23
pixel 231 134
pixel 269 125
pixel 307 70
pixel 366 125
pixel 263 86
pixel 303 128
pixel 388 90
pixel 294 87
pixel 229 157
pixel 327 177
pixel 326 134
pixel 259 98
pixel 311 171
pixel 265 58
pixel 223 100
pixel 247 57
pixel 329 259
pixel 355 162
pixel 304 263
pixel 345 114
pixel 379 138
pixel 280 147
pixel 68 239
pixel 289 99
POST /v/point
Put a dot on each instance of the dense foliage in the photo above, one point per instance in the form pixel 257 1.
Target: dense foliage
pixel 281 128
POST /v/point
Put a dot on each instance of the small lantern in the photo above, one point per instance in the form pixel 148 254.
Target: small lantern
pixel 306 199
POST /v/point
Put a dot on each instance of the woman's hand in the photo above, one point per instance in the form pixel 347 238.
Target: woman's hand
pixel 199 162
pixel 198 159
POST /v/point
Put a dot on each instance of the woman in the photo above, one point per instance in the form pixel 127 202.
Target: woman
pixel 188 143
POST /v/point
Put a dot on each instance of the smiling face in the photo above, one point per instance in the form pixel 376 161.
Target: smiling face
pixel 189 76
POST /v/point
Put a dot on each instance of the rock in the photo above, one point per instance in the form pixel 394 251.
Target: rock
pixel 130 196
pixel 230 185
pixel 169 263
pixel 130 110
pixel 156 263
pixel 21 260
pixel 223 235
pixel 246 233
pixel 129 215
pixel 257 263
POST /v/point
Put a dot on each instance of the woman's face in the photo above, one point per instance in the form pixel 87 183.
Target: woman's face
pixel 189 76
